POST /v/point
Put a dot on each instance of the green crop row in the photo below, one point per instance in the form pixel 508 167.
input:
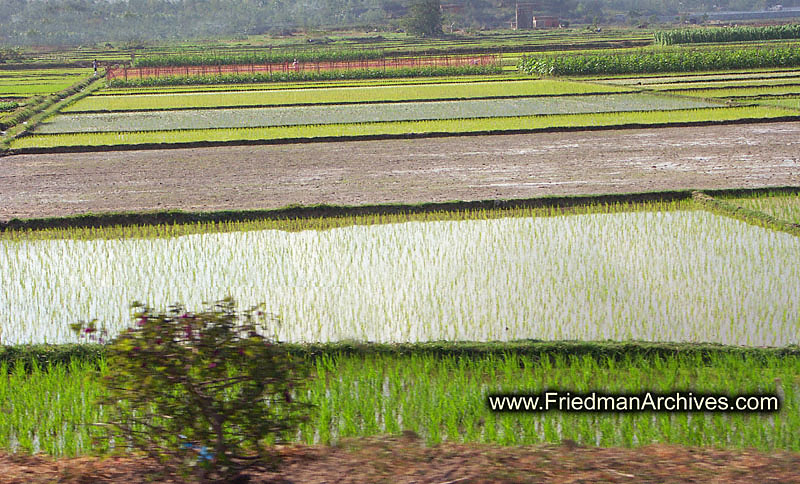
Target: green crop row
pixel 255 57
pixel 335 95
pixel 783 206
pixel 740 92
pixel 334 113
pixel 727 34
pixel 403 128
pixel 8 105
pixel 407 81
pixel 37 105
pixel 661 61
pixel 446 399
pixel 295 76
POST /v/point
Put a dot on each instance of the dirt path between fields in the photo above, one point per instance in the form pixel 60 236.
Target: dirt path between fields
pixel 441 169
pixel 401 461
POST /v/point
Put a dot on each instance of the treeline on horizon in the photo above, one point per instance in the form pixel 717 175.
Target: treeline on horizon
pixel 76 22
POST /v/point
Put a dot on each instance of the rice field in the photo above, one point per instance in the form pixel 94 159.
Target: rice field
pixel 111 91
pixel 359 113
pixel 402 128
pixel 781 206
pixel 622 276
pixel 444 400
pixel 741 92
pixel 788 102
pixel 334 95
pixel 31 82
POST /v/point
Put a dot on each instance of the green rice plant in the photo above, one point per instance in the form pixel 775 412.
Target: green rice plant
pixel 741 92
pixel 255 57
pixel 748 75
pixel 8 105
pixel 435 280
pixel 299 76
pixel 784 206
pixel 308 84
pixel 49 410
pixel 274 220
pixel 445 399
pixel 360 113
pixel 789 102
pixel 744 83
pixel 727 34
pixel 661 61
pixel 337 95
pixel 401 128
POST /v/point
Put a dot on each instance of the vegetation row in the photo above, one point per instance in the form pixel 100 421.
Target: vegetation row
pixel 254 57
pixel 727 34
pixel 41 103
pixel 309 76
pixel 51 355
pixel 655 61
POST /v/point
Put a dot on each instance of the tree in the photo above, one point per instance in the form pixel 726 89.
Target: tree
pixel 205 390
pixel 425 18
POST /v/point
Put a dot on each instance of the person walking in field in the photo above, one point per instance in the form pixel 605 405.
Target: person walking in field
pixel 94 65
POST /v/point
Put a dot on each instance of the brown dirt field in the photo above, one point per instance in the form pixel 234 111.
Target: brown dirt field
pixel 405 171
pixel 402 460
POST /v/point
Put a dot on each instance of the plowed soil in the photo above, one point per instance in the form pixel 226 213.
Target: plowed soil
pixel 407 171
pixel 402 460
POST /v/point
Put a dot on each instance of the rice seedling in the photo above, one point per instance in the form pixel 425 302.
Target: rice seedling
pixel 741 92
pixel 756 75
pixel 309 75
pixel 400 128
pixel 309 85
pixel 445 399
pixel 622 276
pixel 359 113
pixel 334 95
pixel 783 206
pixel 789 102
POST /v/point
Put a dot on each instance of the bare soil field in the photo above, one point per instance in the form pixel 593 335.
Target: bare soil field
pixel 403 171
pixel 400 460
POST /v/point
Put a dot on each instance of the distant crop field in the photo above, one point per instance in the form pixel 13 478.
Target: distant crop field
pixel 32 82
pixel 789 102
pixel 741 91
pixel 551 278
pixel 360 113
pixel 407 81
pixel 402 128
pixel 333 95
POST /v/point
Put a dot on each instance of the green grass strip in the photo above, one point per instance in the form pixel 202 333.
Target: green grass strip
pixel 323 217
pixel 405 128
pixel 43 355
pixel 740 92
pixel 349 95
pixel 752 217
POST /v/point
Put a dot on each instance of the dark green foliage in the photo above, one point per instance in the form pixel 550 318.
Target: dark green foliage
pixel 673 61
pixel 255 57
pixel 39 104
pixel 206 390
pixel 727 34
pixel 425 18
pixel 603 350
pixel 8 105
pixel 292 76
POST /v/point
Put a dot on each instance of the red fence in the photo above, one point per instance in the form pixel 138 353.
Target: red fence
pixel 384 64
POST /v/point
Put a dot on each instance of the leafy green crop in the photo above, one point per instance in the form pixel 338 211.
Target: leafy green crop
pixel 727 34
pixel 661 61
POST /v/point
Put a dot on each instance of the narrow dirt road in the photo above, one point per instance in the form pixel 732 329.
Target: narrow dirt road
pixel 441 169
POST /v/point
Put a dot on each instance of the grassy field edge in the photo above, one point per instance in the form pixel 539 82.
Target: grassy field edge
pixel 44 355
pixel 175 217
